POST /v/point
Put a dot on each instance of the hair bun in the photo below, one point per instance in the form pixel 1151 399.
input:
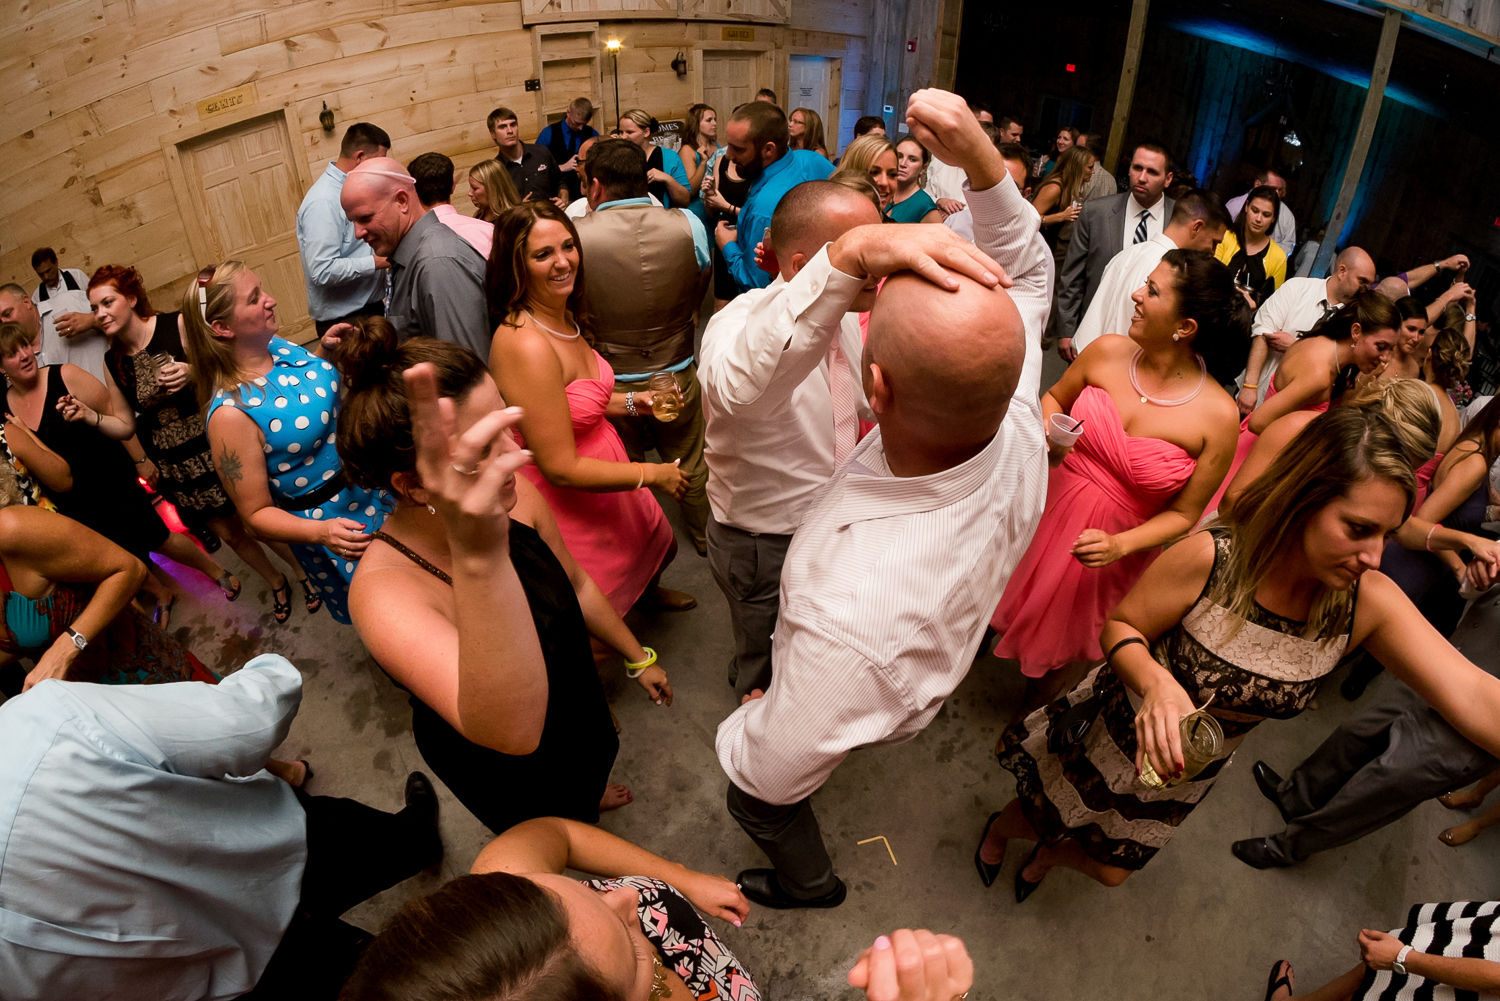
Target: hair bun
pixel 367 355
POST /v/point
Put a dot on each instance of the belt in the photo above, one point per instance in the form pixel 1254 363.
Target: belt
pixel 317 497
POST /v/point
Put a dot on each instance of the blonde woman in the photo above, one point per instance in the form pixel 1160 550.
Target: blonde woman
pixel 872 156
pixel 1243 620
pixel 491 190
pixel 1060 197
pixel 272 410
pixel 806 127
pixel 665 176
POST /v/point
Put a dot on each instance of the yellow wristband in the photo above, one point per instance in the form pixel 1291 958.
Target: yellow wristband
pixel 634 669
pixel 1252 385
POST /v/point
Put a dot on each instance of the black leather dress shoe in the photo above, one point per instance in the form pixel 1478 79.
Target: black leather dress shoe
pixel 422 809
pixel 762 886
pixel 1269 784
pixel 1256 854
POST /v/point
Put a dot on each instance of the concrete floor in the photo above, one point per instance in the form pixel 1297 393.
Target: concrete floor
pixel 1196 923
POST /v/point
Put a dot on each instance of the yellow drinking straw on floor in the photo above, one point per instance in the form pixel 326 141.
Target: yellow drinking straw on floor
pixel 881 837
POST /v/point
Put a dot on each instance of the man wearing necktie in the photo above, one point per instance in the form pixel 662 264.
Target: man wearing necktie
pixel 1104 228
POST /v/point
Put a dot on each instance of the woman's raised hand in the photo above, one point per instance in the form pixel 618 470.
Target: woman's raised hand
pixel 1158 732
pixel 912 965
pixel 465 474
pixel 74 409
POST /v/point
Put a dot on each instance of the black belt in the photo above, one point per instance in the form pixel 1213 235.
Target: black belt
pixel 317 498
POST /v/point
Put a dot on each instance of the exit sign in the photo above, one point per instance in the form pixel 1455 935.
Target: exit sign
pixel 1071 67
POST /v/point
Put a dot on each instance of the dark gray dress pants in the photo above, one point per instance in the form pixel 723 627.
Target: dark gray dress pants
pixel 747 568
pixel 791 839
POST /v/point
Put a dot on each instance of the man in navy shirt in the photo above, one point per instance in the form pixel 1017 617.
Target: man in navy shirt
pixel 531 168
pixel 562 139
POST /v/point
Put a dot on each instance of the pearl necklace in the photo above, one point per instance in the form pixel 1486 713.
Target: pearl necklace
pixel 567 337
pixel 1147 398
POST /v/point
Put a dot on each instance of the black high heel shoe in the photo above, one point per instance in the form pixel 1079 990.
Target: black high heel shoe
pixel 987 872
pixel 1024 887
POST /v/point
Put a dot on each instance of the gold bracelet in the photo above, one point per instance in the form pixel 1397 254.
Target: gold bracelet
pixel 634 669
pixel 642 480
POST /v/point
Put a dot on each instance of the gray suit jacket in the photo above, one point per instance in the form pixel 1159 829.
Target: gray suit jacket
pixel 1098 235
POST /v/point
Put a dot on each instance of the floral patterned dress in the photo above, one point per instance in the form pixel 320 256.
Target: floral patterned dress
pixel 685 941
pixel 1264 667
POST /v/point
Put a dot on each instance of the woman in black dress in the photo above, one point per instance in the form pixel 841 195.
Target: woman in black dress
pixel 724 193
pixel 148 370
pixel 468 598
pixel 666 178
pixel 69 410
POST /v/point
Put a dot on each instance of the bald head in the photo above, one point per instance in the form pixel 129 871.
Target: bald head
pixel 1353 270
pixel 815 213
pixel 1393 288
pixel 946 363
pixel 380 198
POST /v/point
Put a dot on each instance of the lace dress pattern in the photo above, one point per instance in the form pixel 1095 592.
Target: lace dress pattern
pixel 1268 668
pixel 685 941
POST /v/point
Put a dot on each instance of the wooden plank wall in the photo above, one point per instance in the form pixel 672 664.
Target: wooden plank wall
pixel 93 87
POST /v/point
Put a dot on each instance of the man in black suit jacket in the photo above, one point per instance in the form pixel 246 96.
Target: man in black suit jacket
pixel 1100 233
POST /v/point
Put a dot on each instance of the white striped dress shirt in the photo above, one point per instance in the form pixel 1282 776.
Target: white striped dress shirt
pixel 890 581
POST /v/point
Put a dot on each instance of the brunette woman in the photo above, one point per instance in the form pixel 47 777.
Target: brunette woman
pixel 544 363
pixel 724 191
pixel 806 129
pixel 1256 261
pixel 909 203
pixel 700 141
pixel 147 370
pixel 1059 198
pixel 1243 622
pixel 1157 435
pixel 1067 138
pixel 514 644
pixel 272 414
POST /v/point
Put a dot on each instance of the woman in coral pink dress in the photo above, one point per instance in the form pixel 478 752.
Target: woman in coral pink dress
pixel 1158 433
pixel 542 361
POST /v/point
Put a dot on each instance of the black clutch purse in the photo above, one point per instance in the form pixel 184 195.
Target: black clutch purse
pixel 1071 725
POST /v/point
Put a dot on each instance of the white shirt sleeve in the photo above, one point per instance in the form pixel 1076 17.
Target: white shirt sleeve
pixel 785 336
pixel 1273 313
pixel 1008 229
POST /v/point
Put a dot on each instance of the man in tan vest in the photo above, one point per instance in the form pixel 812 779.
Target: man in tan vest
pixel 648 268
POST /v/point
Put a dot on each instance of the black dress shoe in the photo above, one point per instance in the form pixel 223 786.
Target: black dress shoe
pixel 1269 784
pixel 762 886
pixel 1255 853
pixel 422 810
pixel 1024 887
pixel 987 872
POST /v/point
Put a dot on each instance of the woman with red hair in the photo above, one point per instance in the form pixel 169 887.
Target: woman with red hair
pixel 148 376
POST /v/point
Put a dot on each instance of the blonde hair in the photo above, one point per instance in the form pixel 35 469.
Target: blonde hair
pixel 861 154
pixel 211 356
pixel 11 494
pixel 1411 407
pixel 1337 449
pixel 498 187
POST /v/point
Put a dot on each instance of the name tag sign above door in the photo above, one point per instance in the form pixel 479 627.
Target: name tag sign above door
pixel 223 104
pixel 739 35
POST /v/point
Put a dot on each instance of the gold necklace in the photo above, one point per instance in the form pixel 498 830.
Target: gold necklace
pixel 659 987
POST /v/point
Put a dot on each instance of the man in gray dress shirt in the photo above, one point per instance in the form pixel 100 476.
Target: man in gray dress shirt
pixel 437 278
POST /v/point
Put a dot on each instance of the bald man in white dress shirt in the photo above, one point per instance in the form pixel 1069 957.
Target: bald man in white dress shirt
pixel 896 567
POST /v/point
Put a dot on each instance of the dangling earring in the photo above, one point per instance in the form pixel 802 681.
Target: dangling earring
pixel 431 509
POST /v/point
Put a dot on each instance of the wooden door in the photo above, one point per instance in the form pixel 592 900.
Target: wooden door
pixel 728 81
pixel 244 186
pixel 807 80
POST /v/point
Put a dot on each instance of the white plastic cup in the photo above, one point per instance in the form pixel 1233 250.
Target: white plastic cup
pixel 1063 430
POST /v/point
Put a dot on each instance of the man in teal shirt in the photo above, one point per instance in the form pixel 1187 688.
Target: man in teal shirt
pixel 757 138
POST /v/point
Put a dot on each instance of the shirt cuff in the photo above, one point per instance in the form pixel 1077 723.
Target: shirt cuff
pixel 821 292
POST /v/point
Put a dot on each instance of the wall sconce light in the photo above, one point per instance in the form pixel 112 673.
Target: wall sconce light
pixel 613 45
pixel 326 118
pixel 679 65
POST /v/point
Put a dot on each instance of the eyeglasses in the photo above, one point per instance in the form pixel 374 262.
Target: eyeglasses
pixel 205 277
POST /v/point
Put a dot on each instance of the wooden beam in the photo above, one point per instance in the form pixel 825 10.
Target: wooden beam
pixel 1362 138
pixel 1134 40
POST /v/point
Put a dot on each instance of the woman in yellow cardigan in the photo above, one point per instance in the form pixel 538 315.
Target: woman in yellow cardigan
pixel 1256 261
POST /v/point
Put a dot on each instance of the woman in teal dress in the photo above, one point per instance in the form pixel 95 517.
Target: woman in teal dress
pixel 910 203
pixel 272 415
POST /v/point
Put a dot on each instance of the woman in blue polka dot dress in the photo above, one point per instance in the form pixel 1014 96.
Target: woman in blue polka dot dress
pixel 267 398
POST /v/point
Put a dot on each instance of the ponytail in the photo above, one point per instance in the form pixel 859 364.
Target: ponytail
pixel 211 356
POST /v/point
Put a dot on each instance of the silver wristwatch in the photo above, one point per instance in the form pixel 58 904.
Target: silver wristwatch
pixel 77 638
pixel 1398 965
pixel 1470 317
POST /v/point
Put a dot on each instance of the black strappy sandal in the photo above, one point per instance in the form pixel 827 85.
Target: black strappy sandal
pixel 281 610
pixel 230 593
pixel 314 601
pixel 1275 983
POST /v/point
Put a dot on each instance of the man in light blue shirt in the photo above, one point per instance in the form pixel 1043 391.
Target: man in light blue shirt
pixel 148 854
pixel 757 137
pixel 344 278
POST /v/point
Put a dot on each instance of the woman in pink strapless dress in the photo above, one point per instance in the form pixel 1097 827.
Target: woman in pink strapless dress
pixel 1157 436
pixel 543 363
pixel 1317 369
